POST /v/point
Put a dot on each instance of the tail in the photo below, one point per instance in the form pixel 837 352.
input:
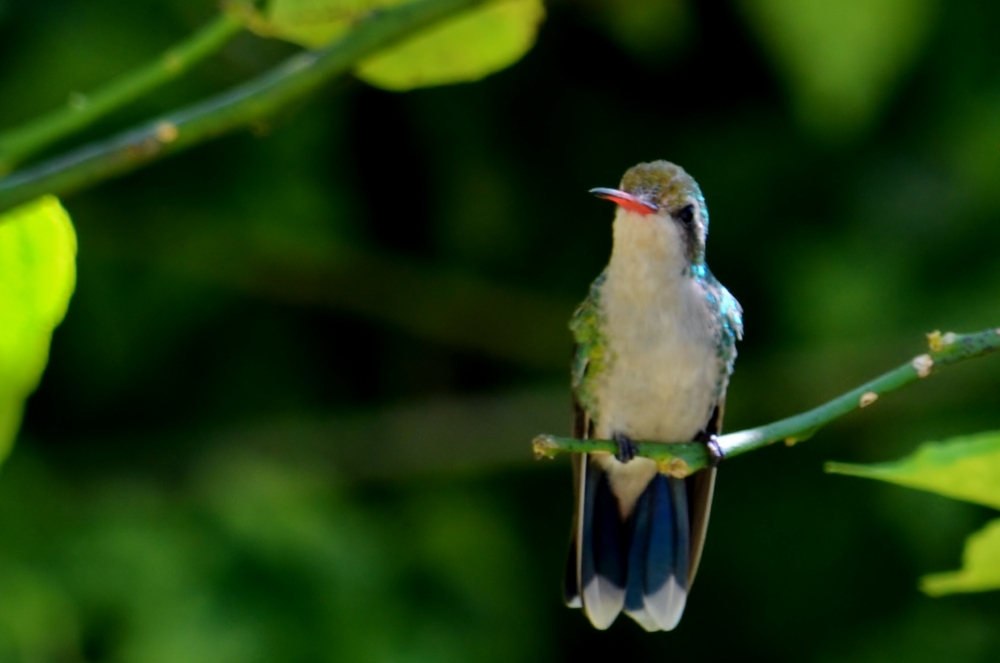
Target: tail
pixel 636 543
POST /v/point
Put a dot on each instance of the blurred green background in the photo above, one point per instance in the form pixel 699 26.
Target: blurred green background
pixel 288 415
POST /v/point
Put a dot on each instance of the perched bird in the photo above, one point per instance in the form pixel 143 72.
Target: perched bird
pixel 655 346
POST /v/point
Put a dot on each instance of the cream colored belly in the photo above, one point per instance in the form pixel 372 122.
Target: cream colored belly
pixel 659 389
pixel 661 376
pixel 660 385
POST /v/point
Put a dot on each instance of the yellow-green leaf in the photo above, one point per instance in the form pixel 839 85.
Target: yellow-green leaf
pixel 980 566
pixel 309 23
pixel 466 48
pixel 841 59
pixel 965 468
pixel 37 276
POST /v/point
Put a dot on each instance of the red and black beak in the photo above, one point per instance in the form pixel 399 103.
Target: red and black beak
pixel 626 201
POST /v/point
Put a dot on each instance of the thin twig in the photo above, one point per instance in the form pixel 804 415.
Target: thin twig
pixel 23 142
pixel 243 106
pixel 683 458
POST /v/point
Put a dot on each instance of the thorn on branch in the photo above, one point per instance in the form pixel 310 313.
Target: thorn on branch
pixel 923 365
pixel 937 341
pixel 544 447
pixel 167 132
pixel 867 399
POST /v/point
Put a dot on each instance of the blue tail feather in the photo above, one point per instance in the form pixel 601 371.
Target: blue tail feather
pixel 682 530
pixel 640 565
pixel 609 534
pixel 638 552
pixel 603 565
pixel 660 557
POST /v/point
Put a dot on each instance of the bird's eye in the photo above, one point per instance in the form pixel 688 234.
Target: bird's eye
pixel 685 215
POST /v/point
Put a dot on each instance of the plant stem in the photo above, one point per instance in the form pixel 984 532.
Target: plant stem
pixel 242 106
pixel 22 142
pixel 683 458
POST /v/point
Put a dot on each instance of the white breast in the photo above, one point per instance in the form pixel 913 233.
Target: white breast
pixel 661 379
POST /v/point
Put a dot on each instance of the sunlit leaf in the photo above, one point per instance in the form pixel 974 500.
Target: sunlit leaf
pixel 465 48
pixel 842 59
pixel 37 276
pixel 980 566
pixel 965 468
pixel 313 23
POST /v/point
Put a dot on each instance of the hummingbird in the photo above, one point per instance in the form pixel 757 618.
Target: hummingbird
pixel 655 347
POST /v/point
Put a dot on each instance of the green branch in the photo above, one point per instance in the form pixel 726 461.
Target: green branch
pixel 683 458
pixel 20 143
pixel 243 106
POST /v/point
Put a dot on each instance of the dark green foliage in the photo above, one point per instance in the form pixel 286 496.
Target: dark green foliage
pixel 196 478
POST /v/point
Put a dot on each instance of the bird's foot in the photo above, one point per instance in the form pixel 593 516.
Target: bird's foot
pixel 715 453
pixel 626 447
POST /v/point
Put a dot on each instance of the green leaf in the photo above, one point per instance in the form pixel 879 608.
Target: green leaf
pixel 465 48
pixel 841 59
pixel 965 468
pixel 312 23
pixel 980 566
pixel 37 276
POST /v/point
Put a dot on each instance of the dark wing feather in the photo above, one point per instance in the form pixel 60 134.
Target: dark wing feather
pixel 701 486
pixel 587 352
pixel 571 581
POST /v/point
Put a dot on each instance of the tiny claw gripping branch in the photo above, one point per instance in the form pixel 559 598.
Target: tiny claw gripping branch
pixel 626 448
pixel 716 454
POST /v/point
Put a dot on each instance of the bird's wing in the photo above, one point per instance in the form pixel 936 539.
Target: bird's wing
pixel 733 313
pixel 590 352
pixel 701 486
pixel 588 358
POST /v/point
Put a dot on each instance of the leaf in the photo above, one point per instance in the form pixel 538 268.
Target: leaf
pixel 841 59
pixel 965 468
pixel 980 566
pixel 312 23
pixel 37 277
pixel 465 48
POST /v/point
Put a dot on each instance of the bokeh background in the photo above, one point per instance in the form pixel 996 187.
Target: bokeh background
pixel 288 416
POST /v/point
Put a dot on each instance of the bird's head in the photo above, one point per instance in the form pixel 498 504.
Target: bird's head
pixel 664 196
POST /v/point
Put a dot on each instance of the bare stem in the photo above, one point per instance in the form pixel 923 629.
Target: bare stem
pixel 248 104
pixel 81 110
pixel 682 458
